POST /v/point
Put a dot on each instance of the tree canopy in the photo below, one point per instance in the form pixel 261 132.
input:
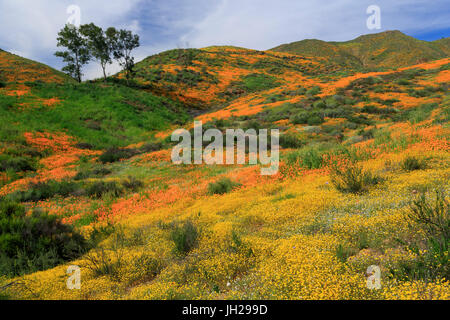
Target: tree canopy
pixel 90 41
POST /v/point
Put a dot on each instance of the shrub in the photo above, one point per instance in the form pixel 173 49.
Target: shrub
pixel 150 147
pixel 353 179
pixel 101 188
pixel 146 268
pixel 84 146
pixel 222 186
pixel 310 118
pixel 252 124
pixel 403 82
pixel 290 141
pixel 320 104
pixel 315 120
pixel 274 98
pixel 96 172
pixel 412 163
pixel 132 184
pixel 117 154
pixel 309 157
pixel 105 262
pixel 343 253
pixel 376 110
pixel 313 91
pixel 432 215
pixel 45 190
pixel 18 164
pixel 185 237
pixel 29 243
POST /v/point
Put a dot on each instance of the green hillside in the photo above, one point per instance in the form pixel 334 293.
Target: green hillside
pixel 319 48
pixel 386 49
pixel 14 68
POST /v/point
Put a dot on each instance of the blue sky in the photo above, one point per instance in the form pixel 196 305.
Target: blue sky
pixel 29 27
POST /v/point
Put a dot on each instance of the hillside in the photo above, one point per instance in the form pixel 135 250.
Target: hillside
pixel 390 49
pixel 318 48
pixel 443 44
pixel 18 69
pixel 359 151
pixel 214 76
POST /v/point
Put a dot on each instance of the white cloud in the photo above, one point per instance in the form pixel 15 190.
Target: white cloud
pixel 31 27
pixel 262 24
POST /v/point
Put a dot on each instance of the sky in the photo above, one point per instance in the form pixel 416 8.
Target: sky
pixel 29 27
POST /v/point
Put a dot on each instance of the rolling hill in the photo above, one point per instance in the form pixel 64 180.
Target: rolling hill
pixel 18 69
pixel 390 49
pixel 361 151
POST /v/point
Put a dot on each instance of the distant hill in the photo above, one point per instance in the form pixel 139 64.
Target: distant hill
pixel 218 74
pixel 443 44
pixel 388 49
pixel 319 48
pixel 17 69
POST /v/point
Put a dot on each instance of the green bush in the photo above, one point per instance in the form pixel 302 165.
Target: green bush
pixel 117 154
pixel 275 97
pixel 433 216
pixel 29 243
pixel 309 157
pixel 353 179
pixel 96 172
pixel 84 146
pixel 45 190
pixel 132 184
pixel 290 141
pixel 315 120
pixel 17 164
pixel 313 91
pixel 101 188
pixel 150 147
pixel 222 186
pixel 371 109
pixel 412 163
pixel 184 237
pixel 344 252
pixel 310 118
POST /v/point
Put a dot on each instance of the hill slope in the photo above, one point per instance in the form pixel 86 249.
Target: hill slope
pixel 18 69
pixel 390 49
pixel 356 150
pixel 319 48
pixel 216 75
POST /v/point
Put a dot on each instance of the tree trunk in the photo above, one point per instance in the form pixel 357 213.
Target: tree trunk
pixel 78 68
pixel 104 73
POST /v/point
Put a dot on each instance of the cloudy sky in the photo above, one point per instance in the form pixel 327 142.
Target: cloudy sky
pixel 29 27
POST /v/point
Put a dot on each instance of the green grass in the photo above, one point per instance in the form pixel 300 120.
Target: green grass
pixel 121 115
pixel 257 82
